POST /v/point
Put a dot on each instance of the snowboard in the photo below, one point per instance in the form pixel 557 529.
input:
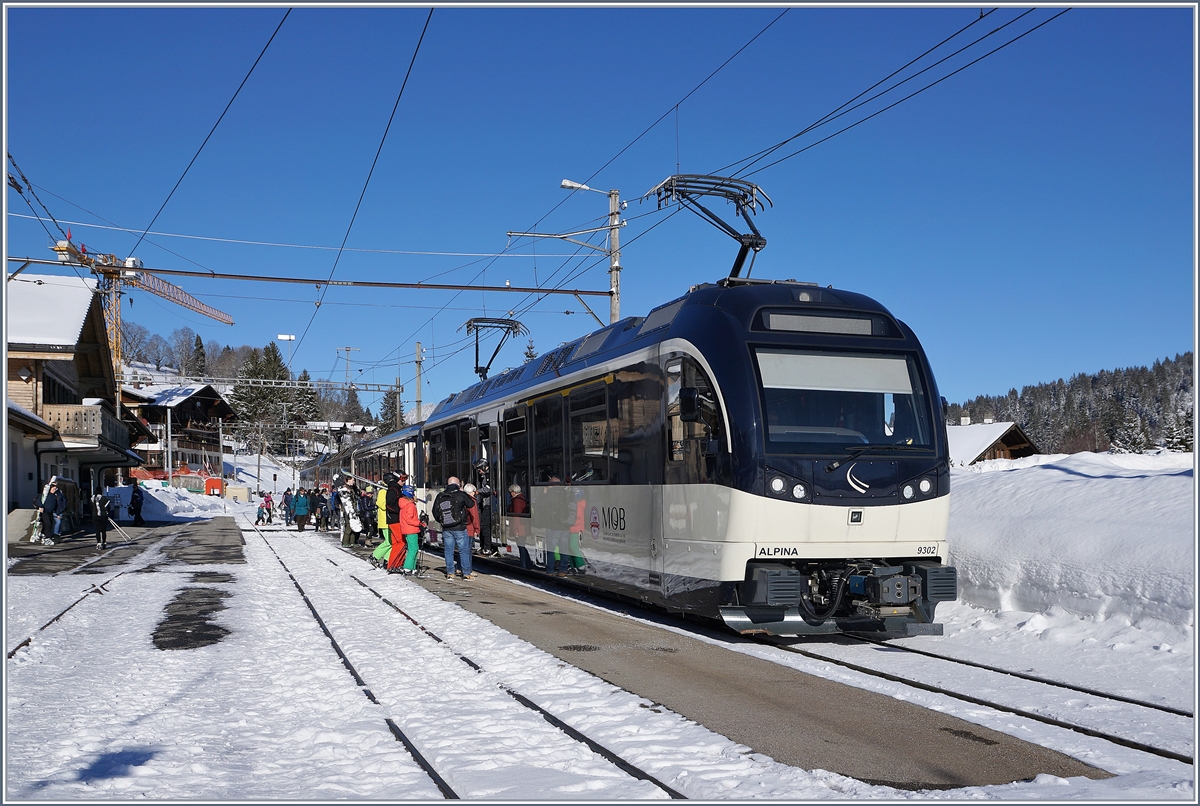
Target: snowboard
pixel 37 536
pixel 350 511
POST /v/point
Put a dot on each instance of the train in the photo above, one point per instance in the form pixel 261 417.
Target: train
pixel 770 454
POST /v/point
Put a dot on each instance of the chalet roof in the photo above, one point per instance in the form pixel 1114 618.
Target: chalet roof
pixel 353 428
pixel 170 397
pixel 31 419
pixel 969 442
pixel 48 310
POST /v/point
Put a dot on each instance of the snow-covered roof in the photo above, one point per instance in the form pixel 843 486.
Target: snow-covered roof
pixel 173 396
pixel 353 428
pixel 46 309
pixel 968 442
pixel 24 412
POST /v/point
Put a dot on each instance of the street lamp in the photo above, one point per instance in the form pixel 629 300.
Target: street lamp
pixel 614 249
pixel 289 338
pixel 615 206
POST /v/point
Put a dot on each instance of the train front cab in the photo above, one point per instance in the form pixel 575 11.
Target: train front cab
pixel 845 522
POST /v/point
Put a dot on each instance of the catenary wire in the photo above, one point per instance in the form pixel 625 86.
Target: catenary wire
pixel 214 128
pixel 827 116
pixel 244 242
pixel 910 95
pixel 32 192
pixel 640 136
pixel 367 182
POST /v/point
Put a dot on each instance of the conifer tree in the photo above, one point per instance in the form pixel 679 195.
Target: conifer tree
pixel 530 351
pixel 1131 436
pixel 387 413
pixel 307 409
pixel 354 412
pixel 199 359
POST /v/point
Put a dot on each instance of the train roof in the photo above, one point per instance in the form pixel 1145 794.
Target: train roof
pixel 740 296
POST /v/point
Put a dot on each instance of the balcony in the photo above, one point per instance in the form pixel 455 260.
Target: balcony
pixel 86 424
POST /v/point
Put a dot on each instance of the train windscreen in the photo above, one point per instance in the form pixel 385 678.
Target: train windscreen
pixel 815 402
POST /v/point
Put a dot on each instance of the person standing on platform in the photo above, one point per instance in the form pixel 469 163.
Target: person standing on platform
pixel 100 516
pixel 450 510
pixel 381 515
pixel 520 509
pixel 136 497
pixel 300 508
pixel 286 503
pixel 472 513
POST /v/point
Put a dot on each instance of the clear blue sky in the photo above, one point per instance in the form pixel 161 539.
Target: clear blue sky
pixel 1030 217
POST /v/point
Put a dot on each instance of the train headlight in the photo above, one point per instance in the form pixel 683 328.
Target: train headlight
pixel 908 492
pixel 777 484
pixel 926 486
pixel 799 491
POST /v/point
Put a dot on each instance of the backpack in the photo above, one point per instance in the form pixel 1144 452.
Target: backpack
pixel 448 508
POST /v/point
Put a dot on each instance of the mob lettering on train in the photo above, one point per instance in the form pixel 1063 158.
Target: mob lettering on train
pixel 614 518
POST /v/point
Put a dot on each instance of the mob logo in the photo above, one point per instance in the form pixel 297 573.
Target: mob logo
pixel 614 518
pixel 595 523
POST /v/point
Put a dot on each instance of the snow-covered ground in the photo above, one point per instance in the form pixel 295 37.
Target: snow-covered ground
pixel 1080 568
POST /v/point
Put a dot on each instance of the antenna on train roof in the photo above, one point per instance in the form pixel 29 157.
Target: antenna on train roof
pixel 747 196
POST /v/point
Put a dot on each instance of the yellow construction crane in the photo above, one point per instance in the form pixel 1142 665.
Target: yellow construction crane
pixel 112 274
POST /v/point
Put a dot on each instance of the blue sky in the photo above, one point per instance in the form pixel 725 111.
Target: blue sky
pixel 1030 217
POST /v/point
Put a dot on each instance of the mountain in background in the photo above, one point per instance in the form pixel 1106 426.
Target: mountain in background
pixel 1124 410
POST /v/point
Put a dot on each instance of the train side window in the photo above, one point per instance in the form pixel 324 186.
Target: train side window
pixel 635 399
pixel 453 452
pixel 437 451
pixel 589 446
pixel 690 458
pixel 548 439
pixel 464 452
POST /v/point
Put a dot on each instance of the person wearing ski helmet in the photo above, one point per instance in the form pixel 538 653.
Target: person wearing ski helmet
pixel 402 525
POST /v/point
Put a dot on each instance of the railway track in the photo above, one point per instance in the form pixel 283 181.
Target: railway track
pixel 1154 728
pixel 95 589
pixel 1139 719
pixel 424 756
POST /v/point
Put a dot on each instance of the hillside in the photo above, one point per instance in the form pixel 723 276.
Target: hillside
pixel 1136 408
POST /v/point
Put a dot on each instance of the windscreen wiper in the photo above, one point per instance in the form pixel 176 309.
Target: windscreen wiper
pixel 899 446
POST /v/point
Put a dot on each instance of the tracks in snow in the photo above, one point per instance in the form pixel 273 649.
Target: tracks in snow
pixel 424 735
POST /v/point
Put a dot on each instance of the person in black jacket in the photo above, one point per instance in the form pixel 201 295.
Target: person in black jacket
pixel 450 510
pixel 49 511
pixel 100 515
pixel 135 503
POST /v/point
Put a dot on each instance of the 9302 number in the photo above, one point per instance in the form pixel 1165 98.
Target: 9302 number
pixel 926 550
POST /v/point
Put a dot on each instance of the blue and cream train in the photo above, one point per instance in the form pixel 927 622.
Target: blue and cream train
pixel 769 453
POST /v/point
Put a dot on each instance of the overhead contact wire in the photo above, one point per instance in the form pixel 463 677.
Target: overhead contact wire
pixel 910 95
pixel 370 173
pixel 829 115
pixel 214 128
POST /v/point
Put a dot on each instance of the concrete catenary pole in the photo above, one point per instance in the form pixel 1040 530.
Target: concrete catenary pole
pixel 419 418
pixel 614 255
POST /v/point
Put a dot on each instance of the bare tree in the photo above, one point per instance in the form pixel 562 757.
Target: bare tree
pixel 133 341
pixel 157 351
pixel 183 345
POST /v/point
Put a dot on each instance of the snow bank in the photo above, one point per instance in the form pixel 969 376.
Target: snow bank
pixel 1095 535
pixel 175 505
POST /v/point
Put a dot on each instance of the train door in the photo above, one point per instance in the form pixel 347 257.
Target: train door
pixel 492 501
pixel 695 504
pixel 514 489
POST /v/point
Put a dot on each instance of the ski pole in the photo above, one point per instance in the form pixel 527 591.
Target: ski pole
pixel 127 539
